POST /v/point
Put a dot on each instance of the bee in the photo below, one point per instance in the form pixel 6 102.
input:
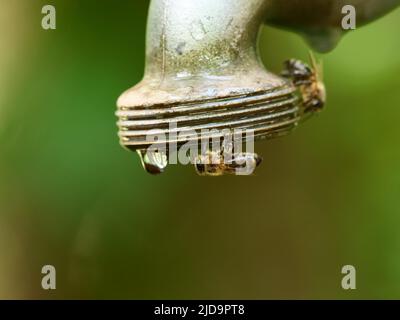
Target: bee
pixel 214 163
pixel 309 81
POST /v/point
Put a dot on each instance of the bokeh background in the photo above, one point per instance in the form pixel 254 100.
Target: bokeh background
pixel 70 196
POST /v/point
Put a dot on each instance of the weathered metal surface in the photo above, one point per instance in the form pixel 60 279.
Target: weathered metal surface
pixel 203 72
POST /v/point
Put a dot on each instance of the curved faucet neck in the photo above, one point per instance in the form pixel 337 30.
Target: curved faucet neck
pixel 195 38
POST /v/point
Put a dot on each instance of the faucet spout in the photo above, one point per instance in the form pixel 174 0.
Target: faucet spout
pixel 203 72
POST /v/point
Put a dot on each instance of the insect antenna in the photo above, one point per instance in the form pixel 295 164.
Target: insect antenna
pixel 317 67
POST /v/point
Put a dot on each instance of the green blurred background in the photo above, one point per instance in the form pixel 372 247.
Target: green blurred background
pixel 70 196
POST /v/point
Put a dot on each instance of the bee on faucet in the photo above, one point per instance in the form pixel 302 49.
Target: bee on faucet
pixel 309 81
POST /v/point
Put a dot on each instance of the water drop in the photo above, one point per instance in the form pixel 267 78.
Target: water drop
pixel 325 40
pixel 154 162
pixel 247 163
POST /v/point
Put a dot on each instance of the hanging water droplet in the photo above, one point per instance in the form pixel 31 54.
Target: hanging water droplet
pixel 324 40
pixel 154 162
pixel 247 163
